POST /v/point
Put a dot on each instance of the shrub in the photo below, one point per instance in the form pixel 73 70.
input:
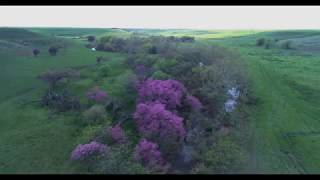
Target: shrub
pixel 97 95
pixel 187 39
pixel 115 106
pixel 60 101
pixel 206 82
pixel 167 92
pixel 135 44
pixel 199 128
pixel 260 41
pixel 91 38
pixel 104 70
pixel 120 160
pixel 149 155
pixel 268 44
pixel 95 114
pixel 100 47
pixel 91 132
pixel 155 122
pixel 53 51
pixel 160 75
pixel 165 65
pixel 36 52
pixel 109 47
pixel 189 56
pixel 118 44
pixel 132 84
pixel 91 45
pixel 142 71
pixel 152 50
pixel 200 168
pixel 85 151
pixel 193 103
pixel 223 157
pixel 52 77
pixel 105 39
pixel 286 45
pixel 141 59
pixel 99 59
pixel 117 134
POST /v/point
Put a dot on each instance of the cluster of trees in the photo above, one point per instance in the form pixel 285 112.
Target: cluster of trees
pixel 158 116
pixel 137 44
pixel 267 43
pixel 181 88
pixel 111 151
pixel 161 129
pixel 206 71
pixel 53 50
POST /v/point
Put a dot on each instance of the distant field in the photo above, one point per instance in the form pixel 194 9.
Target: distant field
pixel 69 31
pixel 199 34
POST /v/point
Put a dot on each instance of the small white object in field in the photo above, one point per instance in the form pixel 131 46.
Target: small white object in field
pixel 231 103
pixel 200 64
pixel 234 93
pixel 93 49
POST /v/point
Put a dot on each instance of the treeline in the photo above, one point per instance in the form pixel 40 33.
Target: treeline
pixel 136 44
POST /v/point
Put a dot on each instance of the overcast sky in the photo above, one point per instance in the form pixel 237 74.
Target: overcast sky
pixel 195 17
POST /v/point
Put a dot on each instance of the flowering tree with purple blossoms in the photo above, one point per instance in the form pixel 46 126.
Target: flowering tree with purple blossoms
pixel 167 92
pixel 97 95
pixel 148 154
pixel 154 121
pixel 117 134
pixel 193 103
pixel 85 151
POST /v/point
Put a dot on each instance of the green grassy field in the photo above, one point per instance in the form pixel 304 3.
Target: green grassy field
pixel 31 140
pixel 284 125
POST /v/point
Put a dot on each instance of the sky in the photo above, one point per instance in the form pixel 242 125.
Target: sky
pixel 163 17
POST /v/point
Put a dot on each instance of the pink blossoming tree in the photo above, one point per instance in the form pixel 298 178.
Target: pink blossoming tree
pixel 167 92
pixel 193 103
pixel 97 95
pixel 85 151
pixel 117 134
pixel 148 154
pixel 154 121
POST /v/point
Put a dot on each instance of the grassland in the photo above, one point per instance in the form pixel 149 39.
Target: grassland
pixel 31 140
